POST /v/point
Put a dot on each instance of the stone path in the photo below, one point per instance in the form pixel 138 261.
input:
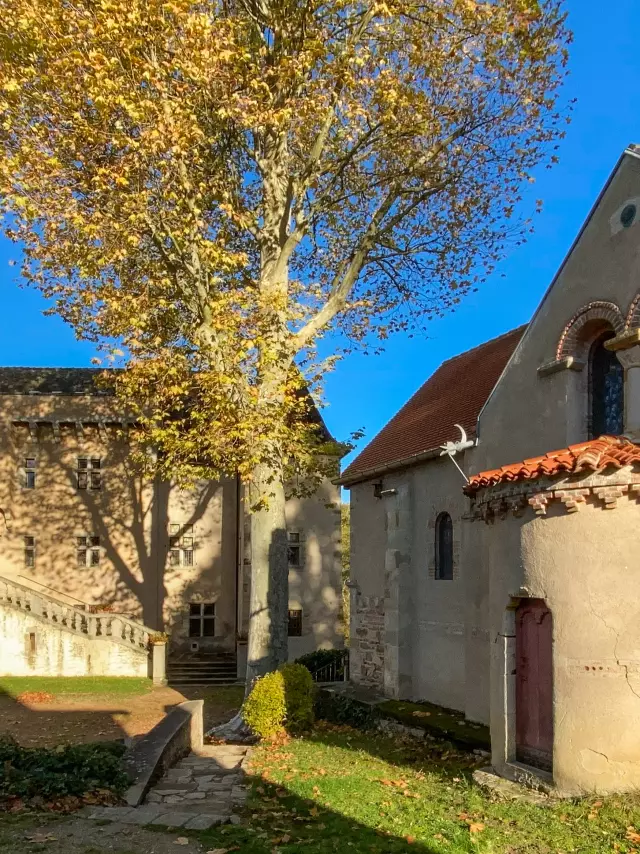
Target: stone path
pixel 198 792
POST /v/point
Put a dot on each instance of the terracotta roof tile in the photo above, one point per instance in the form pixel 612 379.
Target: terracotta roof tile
pixel 454 394
pixel 594 456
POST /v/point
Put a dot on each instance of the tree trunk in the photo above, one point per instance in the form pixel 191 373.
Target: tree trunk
pixel 269 601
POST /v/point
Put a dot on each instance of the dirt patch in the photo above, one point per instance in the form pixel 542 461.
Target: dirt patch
pixel 81 836
pixel 83 719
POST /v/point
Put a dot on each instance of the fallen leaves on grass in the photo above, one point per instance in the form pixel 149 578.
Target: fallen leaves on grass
pixel 476 827
pixel 632 834
pixel 35 697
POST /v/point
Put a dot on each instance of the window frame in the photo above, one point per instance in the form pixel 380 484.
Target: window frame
pixel 90 547
pixel 29 551
pixel 596 348
pixel 294 624
pixel 29 472
pixel 443 559
pixel 197 616
pixel 89 473
pixel 182 543
pixel 295 542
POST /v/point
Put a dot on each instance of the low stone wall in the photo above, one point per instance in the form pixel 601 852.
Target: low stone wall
pixel 367 641
pixel 31 646
pixel 177 735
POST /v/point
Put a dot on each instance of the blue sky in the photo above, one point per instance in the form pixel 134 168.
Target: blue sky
pixel 364 392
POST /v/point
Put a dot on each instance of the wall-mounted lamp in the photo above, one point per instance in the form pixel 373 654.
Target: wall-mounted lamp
pixel 379 492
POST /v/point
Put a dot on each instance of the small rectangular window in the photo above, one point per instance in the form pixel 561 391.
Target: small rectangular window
pixel 29 552
pixel 294 549
pixel 29 473
pixel 295 623
pixel 181 545
pixel 202 617
pixel 88 551
pixel 89 475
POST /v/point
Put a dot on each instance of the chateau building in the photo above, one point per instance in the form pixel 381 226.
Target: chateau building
pixel 79 524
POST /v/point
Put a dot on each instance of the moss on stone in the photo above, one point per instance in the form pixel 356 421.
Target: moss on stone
pixel 445 723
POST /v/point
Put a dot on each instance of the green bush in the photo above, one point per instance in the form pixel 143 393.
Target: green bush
pixel 265 708
pixel 315 661
pixel 280 700
pixel 340 709
pixel 65 770
pixel 298 694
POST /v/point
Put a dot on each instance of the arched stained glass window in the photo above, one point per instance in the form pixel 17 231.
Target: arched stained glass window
pixel 606 390
pixel 444 547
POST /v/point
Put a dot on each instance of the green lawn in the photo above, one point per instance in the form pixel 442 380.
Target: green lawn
pixel 341 790
pixel 96 687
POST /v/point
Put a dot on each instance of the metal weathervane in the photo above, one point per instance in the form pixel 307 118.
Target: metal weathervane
pixel 450 449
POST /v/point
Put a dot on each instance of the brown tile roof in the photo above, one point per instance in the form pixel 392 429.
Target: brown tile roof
pixel 455 394
pixel 52 381
pixel 594 456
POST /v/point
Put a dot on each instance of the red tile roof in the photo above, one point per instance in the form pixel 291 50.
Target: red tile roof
pixel 594 456
pixel 455 394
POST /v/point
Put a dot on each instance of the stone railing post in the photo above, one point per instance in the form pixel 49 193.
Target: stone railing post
pixel 159 663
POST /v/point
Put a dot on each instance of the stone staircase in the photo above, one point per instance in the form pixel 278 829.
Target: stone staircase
pixel 202 668
pixel 41 634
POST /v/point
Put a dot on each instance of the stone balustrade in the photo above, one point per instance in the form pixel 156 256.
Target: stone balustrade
pixel 116 627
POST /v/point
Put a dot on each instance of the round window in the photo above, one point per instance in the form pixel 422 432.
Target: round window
pixel 628 215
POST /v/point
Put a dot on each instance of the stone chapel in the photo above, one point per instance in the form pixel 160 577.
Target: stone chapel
pixel 510 590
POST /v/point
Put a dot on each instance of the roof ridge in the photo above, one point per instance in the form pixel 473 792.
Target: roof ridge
pixel 522 327
pixel 453 394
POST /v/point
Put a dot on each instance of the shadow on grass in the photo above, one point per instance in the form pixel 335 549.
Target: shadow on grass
pixel 278 820
pixel 345 811
pixel 33 723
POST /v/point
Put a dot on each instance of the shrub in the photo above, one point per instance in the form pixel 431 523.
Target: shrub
pixel 65 770
pixel 298 693
pixel 340 709
pixel 315 661
pixel 279 700
pixel 265 708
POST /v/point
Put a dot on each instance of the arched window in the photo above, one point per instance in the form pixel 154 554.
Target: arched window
pixel 444 547
pixel 606 390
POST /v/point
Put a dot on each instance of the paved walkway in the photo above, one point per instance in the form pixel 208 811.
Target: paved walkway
pixel 198 792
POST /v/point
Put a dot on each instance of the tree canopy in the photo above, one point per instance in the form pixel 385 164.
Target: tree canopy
pixel 206 188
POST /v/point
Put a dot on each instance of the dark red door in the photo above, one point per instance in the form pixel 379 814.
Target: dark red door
pixel 534 684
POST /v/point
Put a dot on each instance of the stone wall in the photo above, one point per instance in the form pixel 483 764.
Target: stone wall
pixel 30 646
pixel 367 641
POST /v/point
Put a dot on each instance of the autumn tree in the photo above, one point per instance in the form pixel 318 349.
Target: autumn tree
pixel 209 189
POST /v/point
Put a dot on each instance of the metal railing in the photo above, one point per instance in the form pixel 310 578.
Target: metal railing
pixel 335 671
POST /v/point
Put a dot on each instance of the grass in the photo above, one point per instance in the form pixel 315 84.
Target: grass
pixel 344 790
pixel 94 687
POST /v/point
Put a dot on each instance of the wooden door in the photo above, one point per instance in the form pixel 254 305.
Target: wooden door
pixel 534 684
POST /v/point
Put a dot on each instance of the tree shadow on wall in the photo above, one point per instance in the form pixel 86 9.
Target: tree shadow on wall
pixel 128 513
